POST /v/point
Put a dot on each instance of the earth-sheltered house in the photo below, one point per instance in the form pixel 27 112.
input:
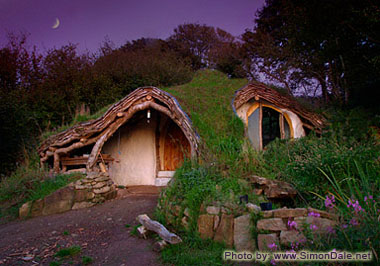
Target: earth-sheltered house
pixel 140 140
pixel 269 114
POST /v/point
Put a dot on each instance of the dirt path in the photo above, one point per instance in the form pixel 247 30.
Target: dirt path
pixel 100 231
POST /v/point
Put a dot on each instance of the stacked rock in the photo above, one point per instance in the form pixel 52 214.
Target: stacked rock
pixel 96 187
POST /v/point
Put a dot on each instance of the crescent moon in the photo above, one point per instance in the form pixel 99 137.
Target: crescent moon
pixel 56 25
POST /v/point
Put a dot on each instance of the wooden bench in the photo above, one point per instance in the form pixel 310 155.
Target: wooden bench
pixel 81 160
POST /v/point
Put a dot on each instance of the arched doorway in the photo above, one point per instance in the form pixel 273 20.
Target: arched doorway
pixel 174 147
pixel 266 123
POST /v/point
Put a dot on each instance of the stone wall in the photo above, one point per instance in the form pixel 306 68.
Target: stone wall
pixel 95 188
pixel 281 226
pixel 286 226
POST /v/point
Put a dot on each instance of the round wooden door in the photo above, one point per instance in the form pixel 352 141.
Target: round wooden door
pixel 176 147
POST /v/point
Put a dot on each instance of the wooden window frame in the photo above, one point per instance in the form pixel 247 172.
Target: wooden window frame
pixel 283 116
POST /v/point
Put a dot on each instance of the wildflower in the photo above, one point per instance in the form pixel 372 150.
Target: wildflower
pixel 314 214
pixel 331 230
pixel 330 202
pixel 272 246
pixel 355 206
pixel 273 262
pixel 354 222
pixel 344 226
pixel 292 224
pixel 313 227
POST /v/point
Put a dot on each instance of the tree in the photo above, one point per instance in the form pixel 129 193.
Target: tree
pixel 194 42
pixel 332 43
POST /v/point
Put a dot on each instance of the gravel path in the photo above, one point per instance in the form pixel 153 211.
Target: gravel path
pixel 100 231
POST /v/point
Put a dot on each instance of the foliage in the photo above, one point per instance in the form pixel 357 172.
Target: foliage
pixel 87 260
pixel 357 230
pixel 330 43
pixel 345 145
pixel 70 251
pixel 28 183
pixel 194 251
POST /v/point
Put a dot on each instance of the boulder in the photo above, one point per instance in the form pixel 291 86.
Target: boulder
pixel 92 175
pixel 272 224
pixel 322 225
pixel 79 187
pixel 110 195
pixel 287 213
pixel 184 222
pixel 102 178
pixel 205 226
pixel 289 237
pixel 242 233
pixel 24 210
pixel 253 208
pixel 225 231
pixel 83 204
pixel 99 185
pixel 214 210
pixel 263 240
pixel 273 189
pixel 102 190
pixel 83 195
pixel 37 208
pixel 186 212
pixel 267 214
pixel 323 214
pixel 59 201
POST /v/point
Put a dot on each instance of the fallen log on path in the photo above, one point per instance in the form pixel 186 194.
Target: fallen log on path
pixel 155 226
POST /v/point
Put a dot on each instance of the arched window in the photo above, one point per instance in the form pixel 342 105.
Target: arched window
pixel 266 123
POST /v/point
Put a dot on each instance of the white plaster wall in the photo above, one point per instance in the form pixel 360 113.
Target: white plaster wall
pixel 242 111
pixel 137 157
pixel 296 122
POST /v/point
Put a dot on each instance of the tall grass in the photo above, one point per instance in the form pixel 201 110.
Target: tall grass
pixel 28 183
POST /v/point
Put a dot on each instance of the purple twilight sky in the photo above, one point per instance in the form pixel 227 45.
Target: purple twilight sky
pixel 88 22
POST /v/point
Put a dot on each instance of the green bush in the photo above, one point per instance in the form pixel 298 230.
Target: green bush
pixel 28 183
pixel 347 142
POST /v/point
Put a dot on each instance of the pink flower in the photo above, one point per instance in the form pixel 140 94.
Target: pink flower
pixel 313 227
pixel 355 206
pixel 314 214
pixel 272 246
pixel 292 224
pixel 330 202
pixel 331 230
pixel 354 222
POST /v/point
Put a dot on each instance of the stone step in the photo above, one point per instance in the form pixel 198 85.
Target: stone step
pixel 165 174
pixel 162 181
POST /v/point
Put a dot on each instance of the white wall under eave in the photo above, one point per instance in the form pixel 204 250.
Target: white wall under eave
pixel 135 154
pixel 296 122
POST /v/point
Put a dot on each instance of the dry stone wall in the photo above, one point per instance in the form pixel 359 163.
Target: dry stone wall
pixel 95 188
pixel 281 226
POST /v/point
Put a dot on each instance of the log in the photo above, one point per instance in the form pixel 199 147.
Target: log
pixel 102 167
pixel 88 133
pixel 159 245
pixel 142 231
pixel 159 229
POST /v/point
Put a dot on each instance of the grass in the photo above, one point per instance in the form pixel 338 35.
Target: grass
pixel 346 150
pixel 194 251
pixel 69 255
pixel 87 260
pixel 28 183
pixel 66 252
